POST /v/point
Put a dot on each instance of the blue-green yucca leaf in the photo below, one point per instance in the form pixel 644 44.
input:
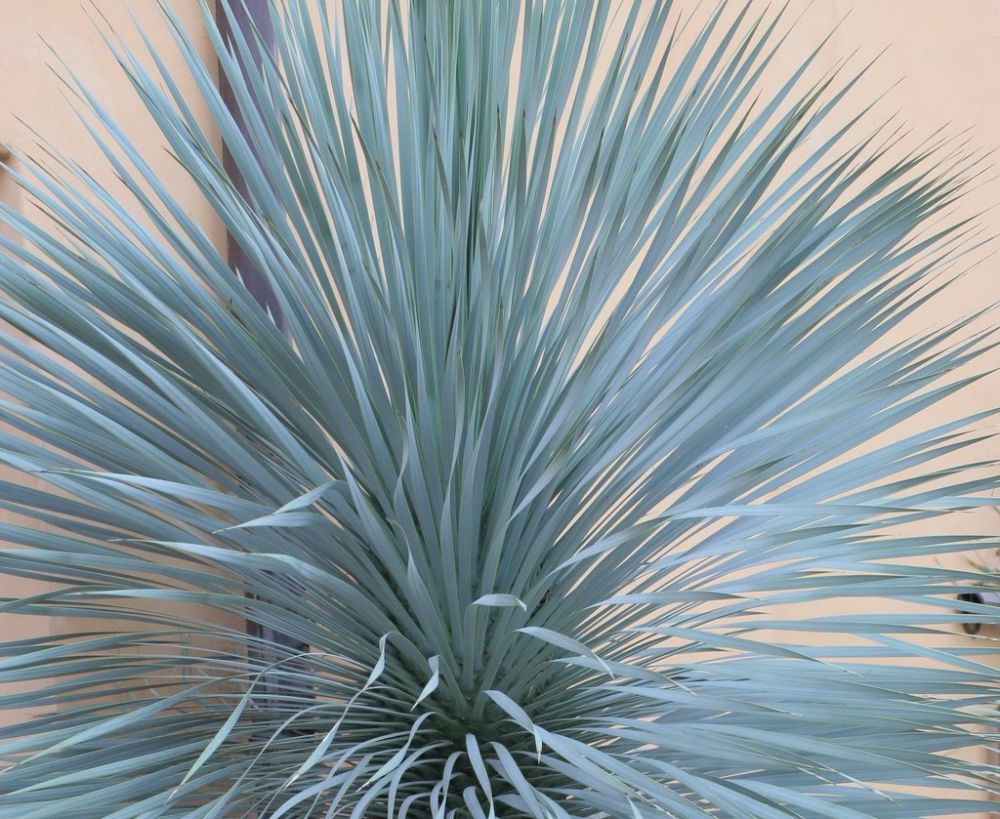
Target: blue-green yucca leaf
pixel 581 426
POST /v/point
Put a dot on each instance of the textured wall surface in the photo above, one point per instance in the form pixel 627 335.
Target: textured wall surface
pixel 35 107
pixel 940 71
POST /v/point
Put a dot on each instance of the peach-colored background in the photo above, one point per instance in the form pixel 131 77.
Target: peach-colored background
pixel 943 52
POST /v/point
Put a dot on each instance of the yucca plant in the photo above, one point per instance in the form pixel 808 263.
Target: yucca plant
pixel 580 424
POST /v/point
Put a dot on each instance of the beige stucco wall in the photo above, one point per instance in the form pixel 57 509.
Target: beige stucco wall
pixel 944 52
pixel 34 106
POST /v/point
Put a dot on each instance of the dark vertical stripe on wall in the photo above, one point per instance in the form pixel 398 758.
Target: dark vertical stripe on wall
pixel 254 21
